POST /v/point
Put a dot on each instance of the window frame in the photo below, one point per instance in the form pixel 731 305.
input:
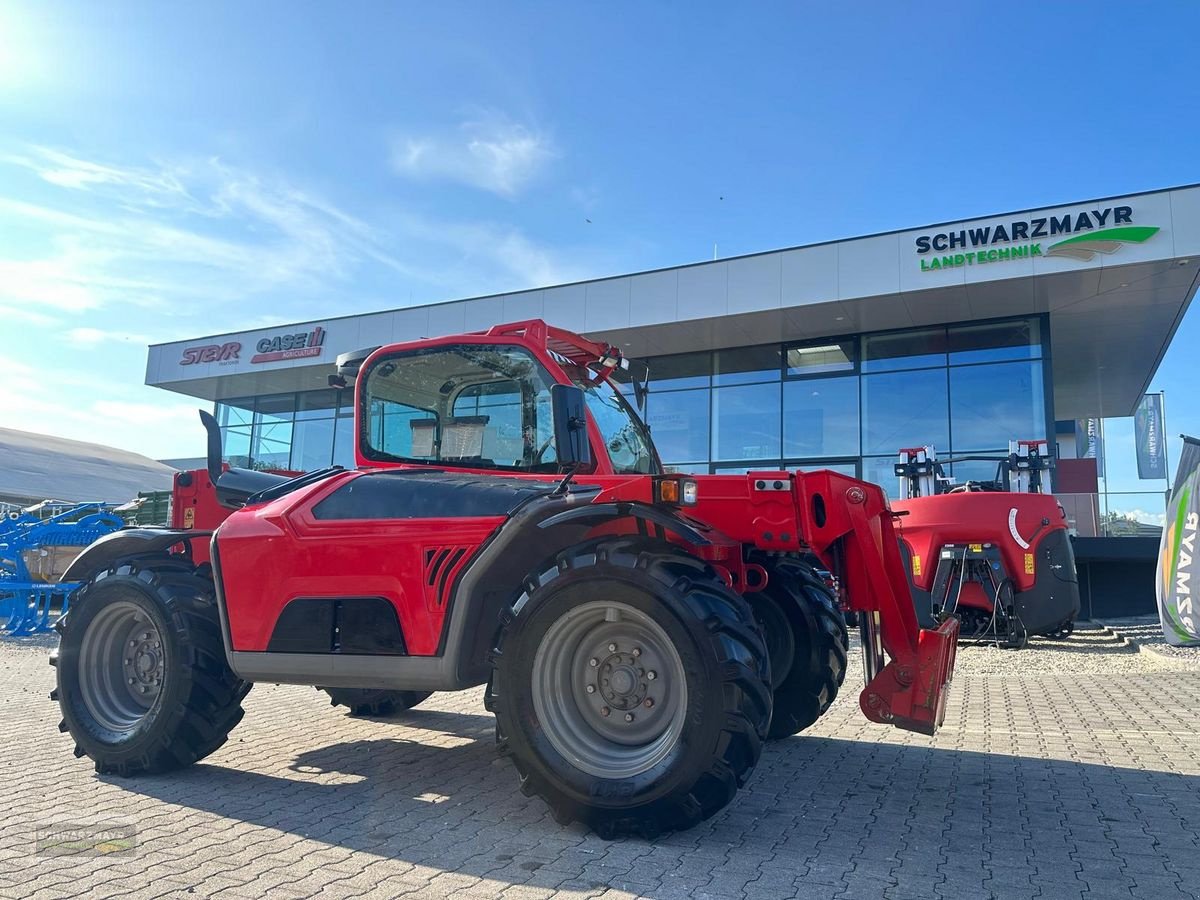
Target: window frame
pixel 369 452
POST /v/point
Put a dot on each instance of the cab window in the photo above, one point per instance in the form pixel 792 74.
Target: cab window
pixel 478 406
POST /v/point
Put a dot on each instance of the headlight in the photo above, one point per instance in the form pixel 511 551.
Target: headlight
pixel 676 491
pixel 689 492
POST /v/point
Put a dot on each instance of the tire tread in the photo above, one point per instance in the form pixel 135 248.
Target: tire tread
pixel 371 702
pixel 806 694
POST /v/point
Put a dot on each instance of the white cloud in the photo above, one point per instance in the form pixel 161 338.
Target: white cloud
pixel 106 256
pixel 491 153
pixel 498 247
pixel 1141 515
pixel 88 406
pixel 55 282
pixel 92 337
pixel 205 228
pixel 68 171
pixel 10 314
pixel 201 235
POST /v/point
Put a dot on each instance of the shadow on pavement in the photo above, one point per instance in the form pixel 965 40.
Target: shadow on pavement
pixel 877 819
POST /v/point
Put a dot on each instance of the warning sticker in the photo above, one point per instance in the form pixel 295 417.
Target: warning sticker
pixel 1028 563
pixel 916 564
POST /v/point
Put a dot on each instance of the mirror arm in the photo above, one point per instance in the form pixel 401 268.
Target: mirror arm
pixel 565 483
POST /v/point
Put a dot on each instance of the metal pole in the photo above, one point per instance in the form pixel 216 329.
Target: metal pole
pixel 1166 448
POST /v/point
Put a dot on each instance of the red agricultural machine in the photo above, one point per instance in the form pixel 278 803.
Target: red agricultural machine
pixel 994 554
pixel 640 634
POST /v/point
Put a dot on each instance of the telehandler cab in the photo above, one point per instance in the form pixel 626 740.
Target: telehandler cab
pixel 508 524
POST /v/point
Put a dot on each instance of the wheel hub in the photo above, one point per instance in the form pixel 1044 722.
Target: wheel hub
pixel 122 666
pixel 609 689
pixel 144 663
pixel 622 684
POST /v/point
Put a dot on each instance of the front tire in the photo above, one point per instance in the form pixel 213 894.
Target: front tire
pixel 631 688
pixel 807 641
pixel 143 683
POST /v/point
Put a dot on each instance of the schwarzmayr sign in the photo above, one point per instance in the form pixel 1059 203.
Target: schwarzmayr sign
pixel 1094 231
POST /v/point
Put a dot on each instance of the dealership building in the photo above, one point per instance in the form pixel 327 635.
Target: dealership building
pixel 962 335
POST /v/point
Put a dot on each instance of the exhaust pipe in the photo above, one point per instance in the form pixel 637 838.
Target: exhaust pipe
pixel 214 445
pixel 234 486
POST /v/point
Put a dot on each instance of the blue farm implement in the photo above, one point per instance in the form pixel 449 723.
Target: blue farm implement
pixel 34 553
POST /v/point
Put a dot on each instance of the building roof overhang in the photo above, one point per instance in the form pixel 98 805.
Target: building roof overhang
pixel 1114 301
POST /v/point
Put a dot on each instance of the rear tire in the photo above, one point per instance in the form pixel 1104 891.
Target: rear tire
pixel 651 635
pixel 806 635
pixel 1063 631
pixel 374 701
pixel 143 683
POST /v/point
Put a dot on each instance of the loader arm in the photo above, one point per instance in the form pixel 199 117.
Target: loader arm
pixel 850 528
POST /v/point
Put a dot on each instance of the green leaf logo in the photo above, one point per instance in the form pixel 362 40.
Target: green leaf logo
pixel 1109 240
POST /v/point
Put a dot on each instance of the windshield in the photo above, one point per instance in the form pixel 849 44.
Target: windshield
pixel 483 406
pixel 626 437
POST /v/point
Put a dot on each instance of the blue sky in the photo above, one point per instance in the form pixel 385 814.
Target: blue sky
pixel 171 170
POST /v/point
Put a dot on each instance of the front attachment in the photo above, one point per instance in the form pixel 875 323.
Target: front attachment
pixel 851 527
pixel 915 698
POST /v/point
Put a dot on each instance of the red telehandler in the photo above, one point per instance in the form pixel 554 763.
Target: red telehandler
pixel 508 524
pixel 994 554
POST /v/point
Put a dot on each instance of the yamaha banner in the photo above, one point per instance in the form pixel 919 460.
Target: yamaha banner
pixel 1178 581
pixel 1148 436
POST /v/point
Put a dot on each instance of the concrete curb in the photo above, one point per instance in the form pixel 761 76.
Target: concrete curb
pixel 1133 634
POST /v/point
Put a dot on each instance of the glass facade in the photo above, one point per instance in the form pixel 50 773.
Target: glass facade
pixel 297 432
pixel 847 403
pixel 850 403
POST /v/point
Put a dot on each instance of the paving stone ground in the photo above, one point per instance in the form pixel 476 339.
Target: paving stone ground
pixel 1047 781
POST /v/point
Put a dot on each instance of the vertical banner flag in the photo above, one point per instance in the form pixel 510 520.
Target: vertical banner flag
pixel 1089 444
pixel 1178 581
pixel 1148 436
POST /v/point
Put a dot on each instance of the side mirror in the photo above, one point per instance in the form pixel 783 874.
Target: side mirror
pixel 349 363
pixel 570 426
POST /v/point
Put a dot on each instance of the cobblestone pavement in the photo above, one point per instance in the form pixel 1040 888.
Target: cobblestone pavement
pixel 1062 784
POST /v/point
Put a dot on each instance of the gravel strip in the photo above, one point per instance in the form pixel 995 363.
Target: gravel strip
pixel 1091 649
pixel 1144 633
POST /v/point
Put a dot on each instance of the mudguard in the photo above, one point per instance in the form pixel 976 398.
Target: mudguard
pixel 123 544
pixel 595 513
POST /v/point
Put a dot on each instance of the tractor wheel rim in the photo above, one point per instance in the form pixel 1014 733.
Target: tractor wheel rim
pixel 609 689
pixel 122 665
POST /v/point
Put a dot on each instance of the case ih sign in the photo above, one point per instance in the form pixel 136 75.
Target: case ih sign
pixel 290 346
pixel 269 349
